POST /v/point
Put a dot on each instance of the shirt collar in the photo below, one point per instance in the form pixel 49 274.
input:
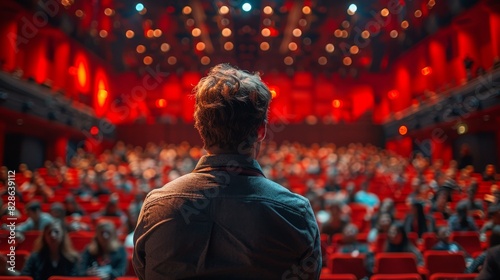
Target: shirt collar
pixel 229 162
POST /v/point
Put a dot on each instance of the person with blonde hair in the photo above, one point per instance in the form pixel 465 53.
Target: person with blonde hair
pixel 53 254
pixel 105 256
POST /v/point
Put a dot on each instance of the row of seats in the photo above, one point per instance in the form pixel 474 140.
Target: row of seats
pixel 397 263
pixel 63 278
pixel 469 240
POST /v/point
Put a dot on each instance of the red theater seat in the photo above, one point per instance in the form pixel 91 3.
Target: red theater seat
pixel 347 264
pixel 444 262
pixel 469 241
pixel 81 239
pixel 15 278
pixel 429 240
pixel 395 263
pixel 73 278
pixel 454 276
pixel 21 258
pixel 337 277
pixel 29 240
pixel 407 276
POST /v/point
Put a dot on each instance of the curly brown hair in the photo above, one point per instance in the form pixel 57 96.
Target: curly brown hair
pixel 230 106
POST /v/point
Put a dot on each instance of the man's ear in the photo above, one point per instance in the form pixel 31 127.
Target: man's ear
pixel 261 132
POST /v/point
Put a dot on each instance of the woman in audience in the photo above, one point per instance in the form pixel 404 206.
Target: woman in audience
pixel 382 226
pixel 386 207
pixel 417 221
pixel 105 256
pixel 398 242
pixel 53 254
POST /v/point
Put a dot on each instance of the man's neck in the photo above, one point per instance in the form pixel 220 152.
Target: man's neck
pixel 251 153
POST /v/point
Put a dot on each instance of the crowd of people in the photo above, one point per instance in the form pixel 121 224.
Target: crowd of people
pixel 366 200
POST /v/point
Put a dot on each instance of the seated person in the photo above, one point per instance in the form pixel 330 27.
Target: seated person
pixel 53 254
pixel 445 244
pixel 440 204
pixel 37 219
pixel 478 262
pixel 494 215
pixel 349 242
pixel 337 221
pixel 474 205
pixel 365 197
pixel 398 242
pixel 382 226
pixel 386 207
pixel 494 196
pixel 490 173
pixel 461 221
pixel 417 221
pixel 105 256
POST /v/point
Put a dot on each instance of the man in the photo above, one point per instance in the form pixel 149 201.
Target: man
pixel 37 220
pixel 225 220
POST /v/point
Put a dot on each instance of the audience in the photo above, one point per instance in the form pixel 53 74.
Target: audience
pixel 116 182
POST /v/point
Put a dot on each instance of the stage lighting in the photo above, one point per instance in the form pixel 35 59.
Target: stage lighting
pixel 352 9
pixel 246 7
pixel 462 128
pixel 403 130
pixel 139 7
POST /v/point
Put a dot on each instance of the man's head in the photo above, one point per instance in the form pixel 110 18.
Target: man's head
pixel 231 109
pixel 443 234
pixel 34 208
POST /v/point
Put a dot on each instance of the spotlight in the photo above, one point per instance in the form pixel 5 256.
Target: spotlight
pixel 246 7
pixel 462 128
pixel 139 7
pixel 403 130
pixel 352 9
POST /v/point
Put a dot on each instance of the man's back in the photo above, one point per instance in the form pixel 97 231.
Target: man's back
pixel 221 222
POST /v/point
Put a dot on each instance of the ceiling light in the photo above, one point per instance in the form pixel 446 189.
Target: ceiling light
pixel 165 47
pixel 266 32
pixel 347 61
pixel 147 60
pixel 223 10
pixel 196 32
pixel 352 9
pixel 129 34
pixel 264 46
pixel 297 32
pixel 268 10
pixel 140 49
pixel 172 60
pixel 205 60
pixel 187 10
pixel 329 47
pixel 139 7
pixel 354 49
pixel 226 32
pixel 228 46
pixel 246 7
pixel 200 46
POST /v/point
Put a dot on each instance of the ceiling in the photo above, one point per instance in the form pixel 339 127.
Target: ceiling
pixel 311 35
